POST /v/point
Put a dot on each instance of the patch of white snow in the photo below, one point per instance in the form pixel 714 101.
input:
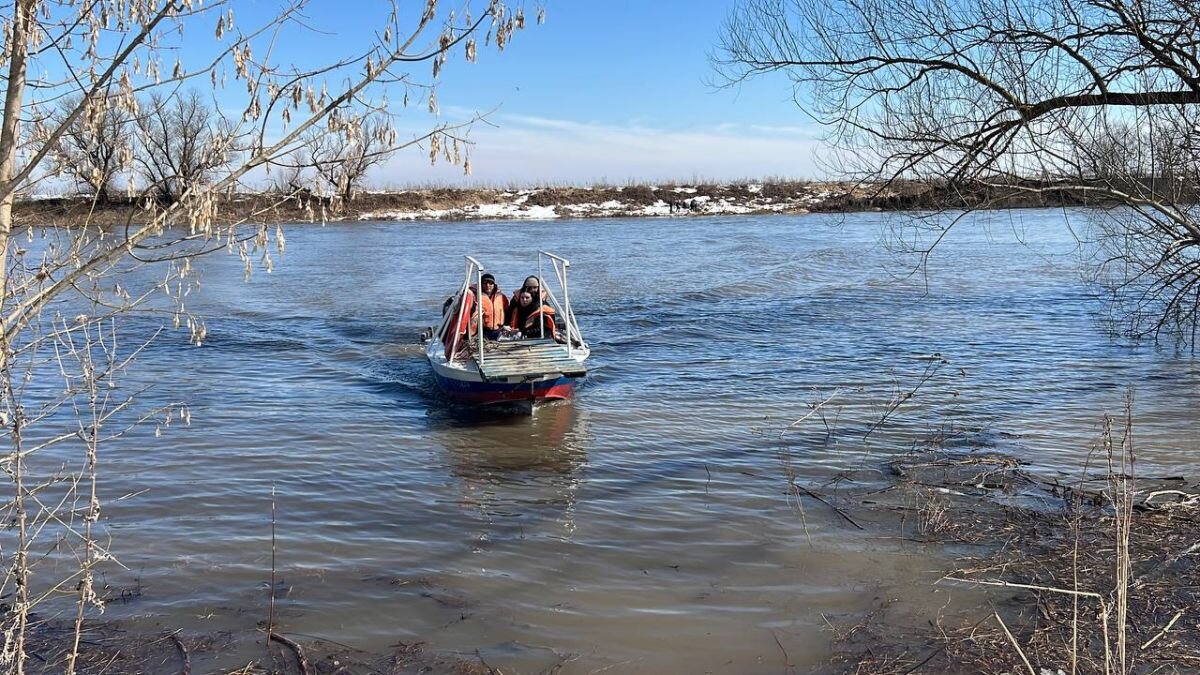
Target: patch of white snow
pixel 658 208
pixel 539 212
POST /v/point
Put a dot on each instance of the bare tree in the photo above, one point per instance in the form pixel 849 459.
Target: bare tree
pixel 180 144
pixel 342 161
pixel 65 292
pixel 289 179
pixel 95 148
pixel 1094 100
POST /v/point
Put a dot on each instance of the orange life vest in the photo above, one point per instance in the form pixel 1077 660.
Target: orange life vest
pixel 545 314
pixel 466 320
pixel 494 306
pixel 463 322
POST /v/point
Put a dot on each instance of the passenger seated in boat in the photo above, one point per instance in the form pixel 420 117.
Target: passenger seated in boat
pixel 494 309
pixel 533 285
pixel 495 305
pixel 527 314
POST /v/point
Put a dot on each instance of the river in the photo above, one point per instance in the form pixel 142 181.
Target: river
pixel 646 526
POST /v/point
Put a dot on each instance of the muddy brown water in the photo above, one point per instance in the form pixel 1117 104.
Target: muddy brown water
pixel 644 527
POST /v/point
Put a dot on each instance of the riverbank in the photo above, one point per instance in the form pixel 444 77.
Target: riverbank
pixel 1089 575
pixel 542 203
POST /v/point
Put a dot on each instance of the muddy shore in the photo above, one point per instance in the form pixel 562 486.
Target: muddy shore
pixel 542 203
pixel 1089 574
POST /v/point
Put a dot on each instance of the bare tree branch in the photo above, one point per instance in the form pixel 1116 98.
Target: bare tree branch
pixel 1096 101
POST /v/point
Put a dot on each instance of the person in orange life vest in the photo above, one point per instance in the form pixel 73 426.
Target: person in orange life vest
pixel 528 313
pixel 495 306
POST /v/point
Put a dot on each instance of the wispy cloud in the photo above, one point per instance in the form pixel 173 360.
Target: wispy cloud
pixel 531 149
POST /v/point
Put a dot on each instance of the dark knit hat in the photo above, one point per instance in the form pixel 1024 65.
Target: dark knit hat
pixel 487 277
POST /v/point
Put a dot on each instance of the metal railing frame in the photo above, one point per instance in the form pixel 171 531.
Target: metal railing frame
pixel 560 265
pixel 475 266
pixel 475 269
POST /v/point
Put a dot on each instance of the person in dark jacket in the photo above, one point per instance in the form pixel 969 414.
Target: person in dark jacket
pixel 533 285
pixel 527 313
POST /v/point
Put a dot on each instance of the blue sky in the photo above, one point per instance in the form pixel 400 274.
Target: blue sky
pixel 612 91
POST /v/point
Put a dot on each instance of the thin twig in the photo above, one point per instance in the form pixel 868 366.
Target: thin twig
pixel 836 510
pixel 183 653
pixel 490 669
pixel 1031 587
pixel 271 608
pixel 295 647
pixel 1016 645
pixel 1164 630
pixel 903 397
pixel 925 660
pixel 787 660
pixel 812 412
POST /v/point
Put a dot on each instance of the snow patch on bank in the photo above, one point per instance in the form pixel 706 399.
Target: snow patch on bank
pixel 476 212
pixel 681 200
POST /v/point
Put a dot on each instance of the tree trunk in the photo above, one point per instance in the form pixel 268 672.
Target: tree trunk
pixel 23 17
pixel 8 140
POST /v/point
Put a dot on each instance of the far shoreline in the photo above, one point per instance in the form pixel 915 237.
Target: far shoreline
pixel 451 204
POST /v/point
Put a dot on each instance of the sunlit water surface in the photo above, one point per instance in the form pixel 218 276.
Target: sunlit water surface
pixel 645 526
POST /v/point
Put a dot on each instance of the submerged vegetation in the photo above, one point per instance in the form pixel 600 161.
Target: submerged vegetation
pixel 1090 575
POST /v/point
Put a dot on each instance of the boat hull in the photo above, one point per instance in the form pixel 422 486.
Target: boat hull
pixel 484 393
pixel 462 382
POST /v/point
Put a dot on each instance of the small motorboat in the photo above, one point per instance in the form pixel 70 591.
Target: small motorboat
pixel 470 368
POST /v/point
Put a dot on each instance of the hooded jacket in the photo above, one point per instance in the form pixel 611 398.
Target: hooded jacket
pixel 526 319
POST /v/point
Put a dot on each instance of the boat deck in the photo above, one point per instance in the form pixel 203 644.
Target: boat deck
pixel 528 360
